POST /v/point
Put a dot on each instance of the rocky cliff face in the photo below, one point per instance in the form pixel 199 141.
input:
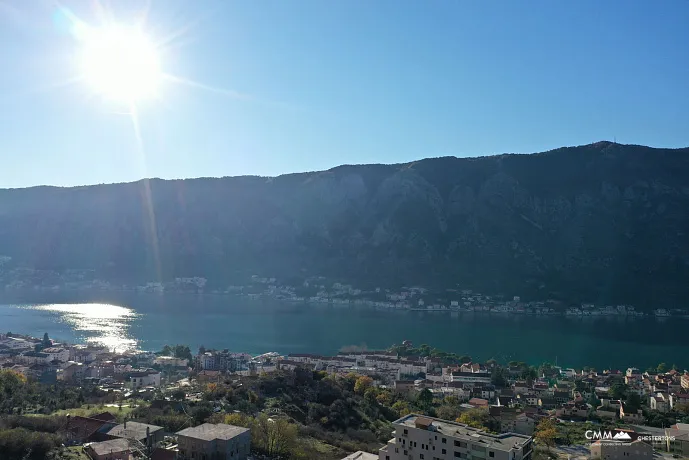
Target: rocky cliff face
pixel 603 222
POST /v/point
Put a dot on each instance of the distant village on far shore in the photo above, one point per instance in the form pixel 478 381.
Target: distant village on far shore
pixel 319 290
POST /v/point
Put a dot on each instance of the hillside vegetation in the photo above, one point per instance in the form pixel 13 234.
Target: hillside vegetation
pixel 603 222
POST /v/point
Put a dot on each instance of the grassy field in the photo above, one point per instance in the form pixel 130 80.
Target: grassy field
pixel 88 410
pixel 73 453
pixel 314 448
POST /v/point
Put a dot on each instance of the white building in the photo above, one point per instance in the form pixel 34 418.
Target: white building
pixel 471 377
pixel 86 354
pixel 207 361
pixel 57 354
pixel 32 357
pixel 147 378
pixel 420 437
pixel 659 402
pixel 170 361
pixel 15 343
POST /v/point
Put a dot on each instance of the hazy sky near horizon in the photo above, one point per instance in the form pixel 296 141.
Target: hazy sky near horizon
pixel 278 86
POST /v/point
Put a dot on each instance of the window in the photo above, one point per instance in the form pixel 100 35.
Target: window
pixel 387 457
pixel 421 456
pixel 406 453
pixel 456 443
pixel 444 451
pixel 406 431
pixel 491 454
pixel 444 440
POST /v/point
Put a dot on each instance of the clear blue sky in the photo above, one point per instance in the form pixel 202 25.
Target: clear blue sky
pixel 331 82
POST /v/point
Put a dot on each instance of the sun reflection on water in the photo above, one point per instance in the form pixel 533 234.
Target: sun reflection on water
pixel 99 323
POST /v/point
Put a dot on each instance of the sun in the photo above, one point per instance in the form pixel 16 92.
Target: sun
pixel 120 63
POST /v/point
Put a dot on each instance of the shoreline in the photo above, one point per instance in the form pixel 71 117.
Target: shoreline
pixel 501 310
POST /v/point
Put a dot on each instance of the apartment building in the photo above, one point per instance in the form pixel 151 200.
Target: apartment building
pixel 144 378
pixel 684 381
pixel 170 361
pixel 425 438
pixel 15 343
pixel 660 402
pixel 470 377
pixel 33 357
pixel 57 354
pixel 224 360
pixel 214 441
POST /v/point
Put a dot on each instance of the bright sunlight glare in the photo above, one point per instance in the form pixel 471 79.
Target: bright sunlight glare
pixel 120 63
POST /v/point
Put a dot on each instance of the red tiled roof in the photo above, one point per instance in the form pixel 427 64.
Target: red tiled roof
pixel 104 416
pixel 478 402
pixel 81 428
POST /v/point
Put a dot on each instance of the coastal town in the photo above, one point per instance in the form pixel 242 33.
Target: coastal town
pixel 319 290
pixel 442 405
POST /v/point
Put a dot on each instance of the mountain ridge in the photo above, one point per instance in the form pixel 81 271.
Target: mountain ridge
pixel 602 222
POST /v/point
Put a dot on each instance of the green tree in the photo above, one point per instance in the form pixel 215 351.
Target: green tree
pixel 448 412
pixel 349 381
pixel 546 369
pixel 662 367
pixel 529 373
pixel 182 352
pixel 401 408
pixel 546 433
pixel 46 341
pixel 274 437
pixel 362 384
pixel 497 377
pixel 238 419
pixel 465 359
pixel 424 350
pixel 632 402
pixel 477 418
pixel 370 395
pixel 451 400
pixel 618 390
pixel 682 408
pixel 425 398
pixel 384 398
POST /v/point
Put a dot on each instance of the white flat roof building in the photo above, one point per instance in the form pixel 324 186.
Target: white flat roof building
pixel 361 455
pixel 419 437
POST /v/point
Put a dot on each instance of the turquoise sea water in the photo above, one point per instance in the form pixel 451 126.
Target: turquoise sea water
pixel 149 321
